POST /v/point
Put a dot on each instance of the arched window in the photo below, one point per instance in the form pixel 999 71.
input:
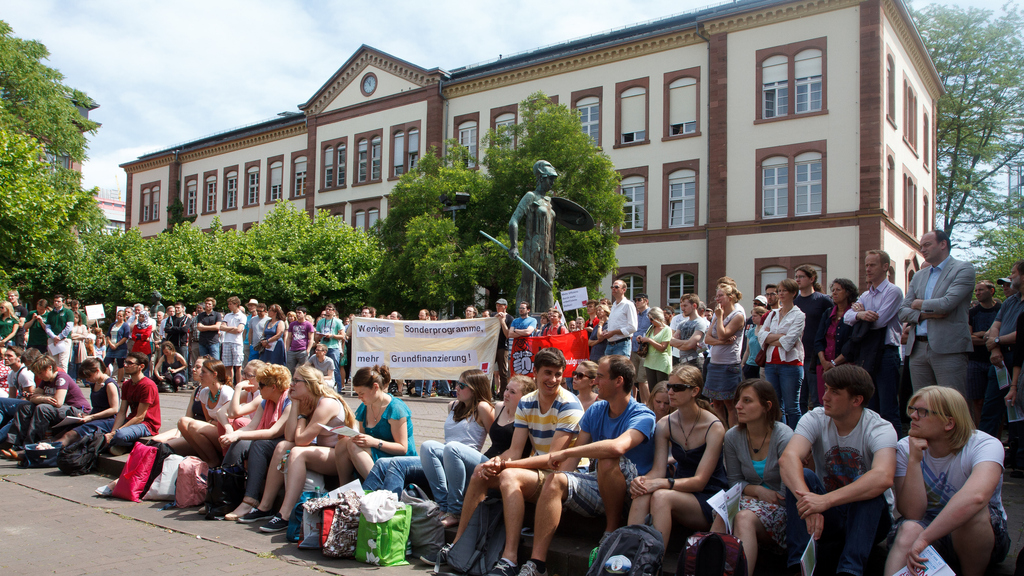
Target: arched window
pixel 372 215
pixel 590 117
pixel 231 190
pixel 503 123
pixel 633 189
pixel 360 220
pixel 808 184
pixel 467 138
pixel 191 199
pixel 375 158
pixel 775 187
pixel 772 275
pixel 342 157
pixel 682 198
pixel 252 193
pixel 678 284
pixel 633 113
pixel 634 285
pixel 276 179
pixel 807 69
pixel 363 150
pixel 211 194
pixel 890 184
pixel 398 161
pixel 890 86
pixel 682 107
pixel 414 148
pixel 775 86
pixel 299 169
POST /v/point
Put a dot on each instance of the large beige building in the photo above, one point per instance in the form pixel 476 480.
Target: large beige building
pixel 752 137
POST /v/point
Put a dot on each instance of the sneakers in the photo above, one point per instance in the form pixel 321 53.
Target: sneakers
pixel 276 524
pixel 119 450
pixel 530 569
pixel 255 515
pixel 439 558
pixel 506 568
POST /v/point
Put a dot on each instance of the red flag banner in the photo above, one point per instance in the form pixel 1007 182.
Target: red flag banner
pixel 573 345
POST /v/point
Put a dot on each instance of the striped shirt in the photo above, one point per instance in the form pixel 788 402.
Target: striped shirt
pixel 563 416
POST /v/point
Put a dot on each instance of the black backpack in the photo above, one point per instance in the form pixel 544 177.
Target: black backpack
pixel 82 455
pixel 641 544
pixel 480 546
pixel 712 554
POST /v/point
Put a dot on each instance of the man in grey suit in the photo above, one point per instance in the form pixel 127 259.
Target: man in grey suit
pixel 936 307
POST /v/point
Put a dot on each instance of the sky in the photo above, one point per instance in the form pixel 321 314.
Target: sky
pixel 170 72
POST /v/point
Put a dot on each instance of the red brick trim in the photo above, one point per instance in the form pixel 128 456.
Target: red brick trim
pixel 790 51
pixel 671 77
pixel 363 78
pixel 143 201
pixel 247 226
pixel 245 179
pixel 205 191
pixel 128 203
pixel 334 156
pixel 790 263
pixel 623 271
pixel 404 128
pixel 224 189
pixel 597 92
pixel 512 109
pixel 791 152
pixel 668 169
pixel 365 205
pixel 432 135
pixel 335 209
pixel 311 165
pixel 368 136
pixel 292 192
pixel 227 227
pixel 642 171
pixel 270 178
pixel 670 269
pixel 191 179
pixel 382 104
pixel 471 117
pixel 621 87
pixel 718 155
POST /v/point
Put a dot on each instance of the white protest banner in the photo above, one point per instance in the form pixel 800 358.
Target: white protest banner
pixel 574 299
pixel 94 312
pixel 422 350
pixel 727 503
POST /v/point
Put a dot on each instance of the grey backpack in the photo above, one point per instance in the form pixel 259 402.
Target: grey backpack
pixel 426 533
pixel 480 546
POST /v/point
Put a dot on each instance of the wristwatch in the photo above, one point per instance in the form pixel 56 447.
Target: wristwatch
pixel 671 483
pixel 380 445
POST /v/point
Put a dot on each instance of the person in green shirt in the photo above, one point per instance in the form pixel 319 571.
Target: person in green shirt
pixel 36 327
pixel 59 323
pixel 330 331
pixel 8 324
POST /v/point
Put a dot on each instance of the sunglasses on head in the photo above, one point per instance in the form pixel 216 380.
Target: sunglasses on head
pixel 680 387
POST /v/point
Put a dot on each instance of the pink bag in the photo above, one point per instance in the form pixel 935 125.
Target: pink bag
pixel 135 473
pixel 190 488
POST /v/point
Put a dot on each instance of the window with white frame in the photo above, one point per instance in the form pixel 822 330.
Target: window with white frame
pixel 634 285
pixel 774 87
pixel 682 107
pixel 299 169
pixel 633 109
pixel 191 199
pixel 633 189
pixel 252 186
pixel 467 138
pixel 890 87
pixel 154 199
pixel 398 160
pixel 678 284
pixel 682 198
pixel 276 180
pixel 360 220
pixel 329 167
pixel 772 275
pixel 372 215
pixel 362 149
pixel 808 184
pixel 375 158
pixel 807 69
pixel 146 204
pixel 504 123
pixel 342 156
pixel 211 194
pixel 413 152
pixel 590 117
pixel 775 187
pixel 231 190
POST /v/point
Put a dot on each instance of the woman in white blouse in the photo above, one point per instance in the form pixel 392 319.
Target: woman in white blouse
pixel 784 352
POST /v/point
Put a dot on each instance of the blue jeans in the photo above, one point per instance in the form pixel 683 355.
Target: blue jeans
pixel 212 350
pixel 809 385
pixel 886 400
pixel 622 348
pixel 786 380
pixel 856 527
pixel 395 474
pixel 442 388
pixel 335 354
pixel 254 354
pixel 127 435
pixel 104 425
pixel 8 408
pixel 448 468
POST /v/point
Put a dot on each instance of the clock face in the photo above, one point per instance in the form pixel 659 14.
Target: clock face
pixel 369 84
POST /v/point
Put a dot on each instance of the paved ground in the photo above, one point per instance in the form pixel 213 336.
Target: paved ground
pixel 51 523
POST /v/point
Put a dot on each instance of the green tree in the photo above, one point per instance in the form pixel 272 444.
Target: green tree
pixel 981 116
pixel 433 265
pixel 1000 249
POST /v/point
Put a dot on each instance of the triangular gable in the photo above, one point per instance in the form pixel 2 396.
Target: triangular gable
pixel 393 75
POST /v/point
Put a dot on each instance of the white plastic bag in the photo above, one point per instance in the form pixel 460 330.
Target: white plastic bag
pixel 163 486
pixel 379 506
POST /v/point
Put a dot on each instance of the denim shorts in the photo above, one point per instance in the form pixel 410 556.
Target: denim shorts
pixel 944 545
pixel 584 496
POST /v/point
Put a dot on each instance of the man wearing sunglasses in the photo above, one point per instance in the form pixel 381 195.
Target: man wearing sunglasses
pixel 618 432
pixel 139 395
pixel 845 501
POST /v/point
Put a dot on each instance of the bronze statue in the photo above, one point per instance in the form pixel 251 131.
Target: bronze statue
pixel 538 256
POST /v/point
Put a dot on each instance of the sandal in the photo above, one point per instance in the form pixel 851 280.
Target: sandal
pixel 243 509
pixel 449 520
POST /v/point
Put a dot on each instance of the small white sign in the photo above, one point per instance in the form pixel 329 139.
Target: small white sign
pixel 574 299
pixel 727 503
pixel 809 559
pixel 94 312
pixel 934 565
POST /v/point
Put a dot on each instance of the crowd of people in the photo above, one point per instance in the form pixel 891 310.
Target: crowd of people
pixel 800 401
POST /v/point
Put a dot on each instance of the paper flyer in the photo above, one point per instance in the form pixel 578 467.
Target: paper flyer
pixel 69 420
pixel 935 565
pixel 340 430
pixel 353 485
pixel 1003 377
pixel 809 559
pixel 727 503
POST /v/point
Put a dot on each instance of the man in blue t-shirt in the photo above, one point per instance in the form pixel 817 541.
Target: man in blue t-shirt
pixel 618 432
pixel 523 326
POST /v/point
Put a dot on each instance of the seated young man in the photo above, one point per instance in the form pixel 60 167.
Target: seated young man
pixel 845 500
pixel 55 397
pixel 948 488
pixel 550 418
pixel 139 395
pixel 617 431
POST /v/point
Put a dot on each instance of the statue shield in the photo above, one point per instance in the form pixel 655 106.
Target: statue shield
pixel 571 215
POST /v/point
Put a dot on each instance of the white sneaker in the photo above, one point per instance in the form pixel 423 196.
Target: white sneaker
pixel 530 569
pixel 104 490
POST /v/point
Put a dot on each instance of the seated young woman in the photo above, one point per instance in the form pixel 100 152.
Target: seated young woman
pixel 658 400
pixel 306 445
pixel 752 450
pixel 254 444
pixel 169 371
pixel 585 383
pixel 246 398
pixel 385 426
pixel 105 398
pixel 694 436
pixel 214 396
pixel 450 466
pixel 193 410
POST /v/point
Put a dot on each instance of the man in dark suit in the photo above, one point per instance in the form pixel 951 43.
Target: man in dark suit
pixel 936 307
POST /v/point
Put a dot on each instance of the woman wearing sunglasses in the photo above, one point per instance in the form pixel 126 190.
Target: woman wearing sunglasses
pixel 752 450
pixel 584 382
pixel 693 434
pixel 255 442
